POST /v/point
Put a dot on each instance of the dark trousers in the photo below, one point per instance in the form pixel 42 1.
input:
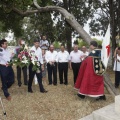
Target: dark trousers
pixel 31 76
pixel 75 67
pixel 117 78
pixel 52 69
pixel 63 69
pixel 24 69
pixel 7 78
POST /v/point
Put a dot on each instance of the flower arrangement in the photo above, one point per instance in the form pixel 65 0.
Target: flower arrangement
pixel 25 57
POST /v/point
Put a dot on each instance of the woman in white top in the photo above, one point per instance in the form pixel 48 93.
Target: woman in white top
pixel 117 66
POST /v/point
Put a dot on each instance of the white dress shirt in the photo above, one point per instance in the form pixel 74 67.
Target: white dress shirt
pixel 117 67
pixel 38 53
pixel 75 57
pixel 51 56
pixel 5 56
pixel 63 56
pixel 84 55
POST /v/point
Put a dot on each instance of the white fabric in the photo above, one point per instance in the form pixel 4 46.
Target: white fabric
pixel 35 79
pixel 84 55
pixel 104 51
pixel 75 57
pixel 5 56
pixel 42 42
pixel 63 56
pixel 117 67
pixel 38 53
pixel 51 56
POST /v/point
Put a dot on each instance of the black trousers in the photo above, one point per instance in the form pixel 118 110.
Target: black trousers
pixel 24 69
pixel 63 69
pixel 39 78
pixel 117 78
pixel 52 70
pixel 75 67
pixel 7 78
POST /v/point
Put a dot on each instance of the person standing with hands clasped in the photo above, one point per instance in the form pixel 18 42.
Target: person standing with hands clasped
pixel 6 71
pixel 63 59
pixel 117 66
pixel 38 54
pixel 51 59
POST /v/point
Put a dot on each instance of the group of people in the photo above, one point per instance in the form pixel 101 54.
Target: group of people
pixel 87 68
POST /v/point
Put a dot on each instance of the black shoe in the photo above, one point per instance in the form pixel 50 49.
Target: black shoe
pixel 44 91
pixel 65 83
pixel 19 85
pixel 25 83
pixel 50 84
pixel 61 82
pixel 30 91
pixel 55 84
pixel 101 98
pixel 116 86
pixel 81 96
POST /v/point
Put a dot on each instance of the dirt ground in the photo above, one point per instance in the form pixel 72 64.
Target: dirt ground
pixel 60 103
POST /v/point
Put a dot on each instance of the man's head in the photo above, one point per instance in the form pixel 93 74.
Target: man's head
pixel 36 42
pixel 76 48
pixel 3 43
pixel 84 49
pixel 118 50
pixel 43 37
pixel 93 44
pixel 51 47
pixel 62 47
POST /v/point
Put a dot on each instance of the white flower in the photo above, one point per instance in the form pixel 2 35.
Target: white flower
pixel 93 51
pixel 33 62
pixel 25 61
pixel 26 47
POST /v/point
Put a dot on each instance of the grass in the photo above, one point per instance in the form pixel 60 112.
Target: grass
pixel 60 103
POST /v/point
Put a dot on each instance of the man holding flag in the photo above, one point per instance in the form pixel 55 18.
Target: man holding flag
pixel 90 78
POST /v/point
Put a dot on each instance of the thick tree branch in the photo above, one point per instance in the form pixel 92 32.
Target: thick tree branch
pixel 24 13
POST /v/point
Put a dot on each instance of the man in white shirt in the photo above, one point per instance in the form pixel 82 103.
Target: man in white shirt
pixel 6 71
pixel 44 44
pixel 51 59
pixel 32 73
pixel 75 61
pixel 63 59
pixel 85 53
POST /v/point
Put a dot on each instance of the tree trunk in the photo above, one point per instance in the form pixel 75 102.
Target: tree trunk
pixel 68 38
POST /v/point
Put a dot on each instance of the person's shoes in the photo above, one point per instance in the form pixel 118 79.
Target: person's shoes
pixel 44 91
pixel 55 84
pixel 101 98
pixel 116 86
pixel 30 91
pixel 25 83
pixel 50 84
pixel 61 82
pixel 65 83
pixel 8 98
pixel 20 84
pixel 81 96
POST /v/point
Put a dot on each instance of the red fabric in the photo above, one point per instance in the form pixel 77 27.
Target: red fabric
pixel 87 81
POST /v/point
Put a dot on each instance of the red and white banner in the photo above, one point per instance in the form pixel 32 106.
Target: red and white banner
pixel 105 52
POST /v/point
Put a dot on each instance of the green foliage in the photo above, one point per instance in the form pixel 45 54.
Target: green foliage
pixel 81 43
pixel 56 44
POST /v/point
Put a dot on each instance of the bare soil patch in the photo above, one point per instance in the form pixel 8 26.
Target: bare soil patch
pixel 60 103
